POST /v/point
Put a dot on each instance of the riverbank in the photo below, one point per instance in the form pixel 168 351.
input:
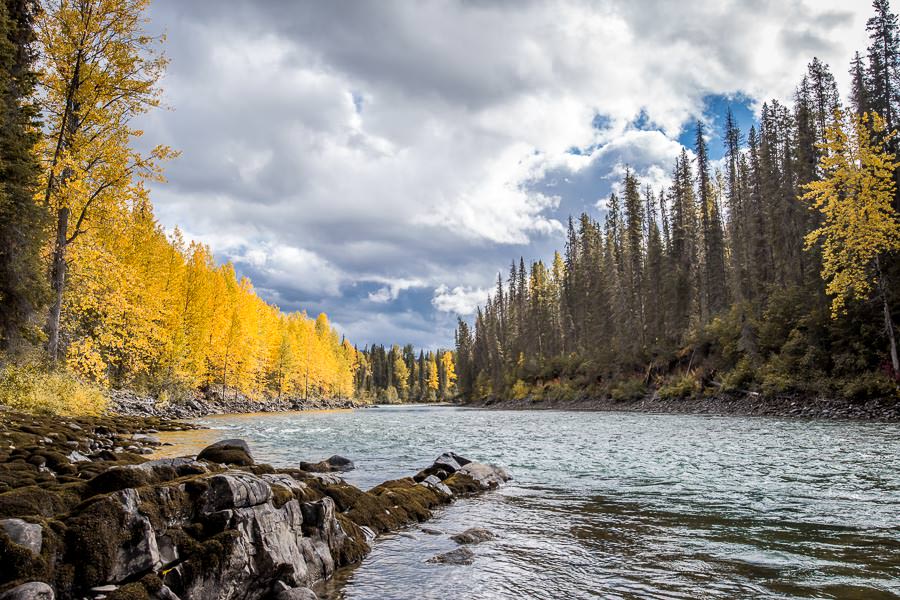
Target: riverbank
pixel 85 514
pixel 750 405
pixel 214 402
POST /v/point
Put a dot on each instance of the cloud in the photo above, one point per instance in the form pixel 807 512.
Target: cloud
pixel 459 300
pixel 330 146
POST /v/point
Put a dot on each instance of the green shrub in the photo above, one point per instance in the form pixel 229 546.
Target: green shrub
pixel 684 386
pixel 33 389
pixel 869 386
pixel 628 389
pixel 740 378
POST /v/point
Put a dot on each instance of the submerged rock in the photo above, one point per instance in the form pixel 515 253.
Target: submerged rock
pixel 28 535
pixel 460 556
pixel 229 452
pixel 333 463
pixel 487 476
pixel 473 535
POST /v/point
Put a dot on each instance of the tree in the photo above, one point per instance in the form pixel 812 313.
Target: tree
pixel 859 225
pixel 22 289
pixel 101 70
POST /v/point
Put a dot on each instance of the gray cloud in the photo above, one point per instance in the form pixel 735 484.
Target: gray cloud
pixel 383 160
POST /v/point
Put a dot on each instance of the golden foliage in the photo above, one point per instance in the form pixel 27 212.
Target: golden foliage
pixel 33 389
pixel 854 198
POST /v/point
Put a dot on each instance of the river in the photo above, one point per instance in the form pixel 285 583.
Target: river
pixel 616 505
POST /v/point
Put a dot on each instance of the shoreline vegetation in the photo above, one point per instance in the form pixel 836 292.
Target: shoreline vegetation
pixel 772 273
pixel 84 513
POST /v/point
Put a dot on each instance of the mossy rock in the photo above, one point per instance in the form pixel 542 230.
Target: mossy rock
pixel 33 500
pixel 116 479
pixel 131 591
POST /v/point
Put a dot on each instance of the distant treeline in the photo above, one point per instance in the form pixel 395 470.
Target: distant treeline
pixel 401 375
pixel 778 273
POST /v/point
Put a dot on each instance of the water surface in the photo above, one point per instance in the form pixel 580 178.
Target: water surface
pixel 618 505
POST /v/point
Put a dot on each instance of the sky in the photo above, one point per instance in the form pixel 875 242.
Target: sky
pixel 383 160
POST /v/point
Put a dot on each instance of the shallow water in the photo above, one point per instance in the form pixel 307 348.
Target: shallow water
pixel 618 505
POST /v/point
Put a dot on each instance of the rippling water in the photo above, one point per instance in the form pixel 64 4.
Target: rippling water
pixel 620 505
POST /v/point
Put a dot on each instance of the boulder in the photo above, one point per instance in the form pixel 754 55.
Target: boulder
pixel 285 592
pixel 229 452
pixel 487 476
pixel 331 464
pixel 34 590
pixel 150 440
pixel 75 456
pixel 460 556
pixel 434 483
pixel 235 489
pixel 473 535
pixel 29 535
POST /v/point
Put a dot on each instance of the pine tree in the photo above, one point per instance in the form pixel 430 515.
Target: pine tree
pixel 22 288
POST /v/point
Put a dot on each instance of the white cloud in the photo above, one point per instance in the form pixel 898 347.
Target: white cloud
pixel 396 141
pixel 459 300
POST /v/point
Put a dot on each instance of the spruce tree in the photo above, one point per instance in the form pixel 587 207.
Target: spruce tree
pixel 23 291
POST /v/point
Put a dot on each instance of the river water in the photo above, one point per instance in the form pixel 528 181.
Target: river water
pixel 618 505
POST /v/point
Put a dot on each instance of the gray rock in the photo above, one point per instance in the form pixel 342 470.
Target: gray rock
pixel 330 464
pixel 460 556
pixel 487 476
pixel 34 590
pixel 143 438
pixel 139 551
pixel 230 452
pixel 434 483
pixel 297 593
pixel 29 535
pixel 164 593
pixel 448 463
pixel 474 535
pixel 76 457
pixel 235 489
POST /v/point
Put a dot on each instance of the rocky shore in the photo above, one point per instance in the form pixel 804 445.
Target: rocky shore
pixel 750 405
pixel 213 402
pixel 85 514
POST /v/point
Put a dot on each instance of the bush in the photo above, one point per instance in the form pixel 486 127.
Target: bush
pixel 740 378
pixel 32 389
pixel 683 386
pixel 519 390
pixel 869 386
pixel 628 389
pixel 389 395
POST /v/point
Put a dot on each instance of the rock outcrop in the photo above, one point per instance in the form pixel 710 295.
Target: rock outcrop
pixel 202 528
pixel 329 465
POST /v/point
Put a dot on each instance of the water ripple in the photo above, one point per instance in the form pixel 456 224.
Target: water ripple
pixel 609 505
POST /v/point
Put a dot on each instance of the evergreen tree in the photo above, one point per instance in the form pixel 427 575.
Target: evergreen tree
pixel 22 289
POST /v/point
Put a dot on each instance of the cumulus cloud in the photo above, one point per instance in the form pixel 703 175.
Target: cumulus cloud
pixel 327 145
pixel 459 300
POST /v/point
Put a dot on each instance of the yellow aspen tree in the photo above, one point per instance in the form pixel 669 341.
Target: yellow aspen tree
pixel 431 374
pixel 99 70
pixel 859 224
pixel 449 370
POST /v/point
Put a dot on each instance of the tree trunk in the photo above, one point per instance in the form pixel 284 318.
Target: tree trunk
pixel 58 282
pixel 888 321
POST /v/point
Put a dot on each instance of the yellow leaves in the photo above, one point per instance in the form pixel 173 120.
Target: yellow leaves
pixel 855 200
pixel 449 368
pixel 431 374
